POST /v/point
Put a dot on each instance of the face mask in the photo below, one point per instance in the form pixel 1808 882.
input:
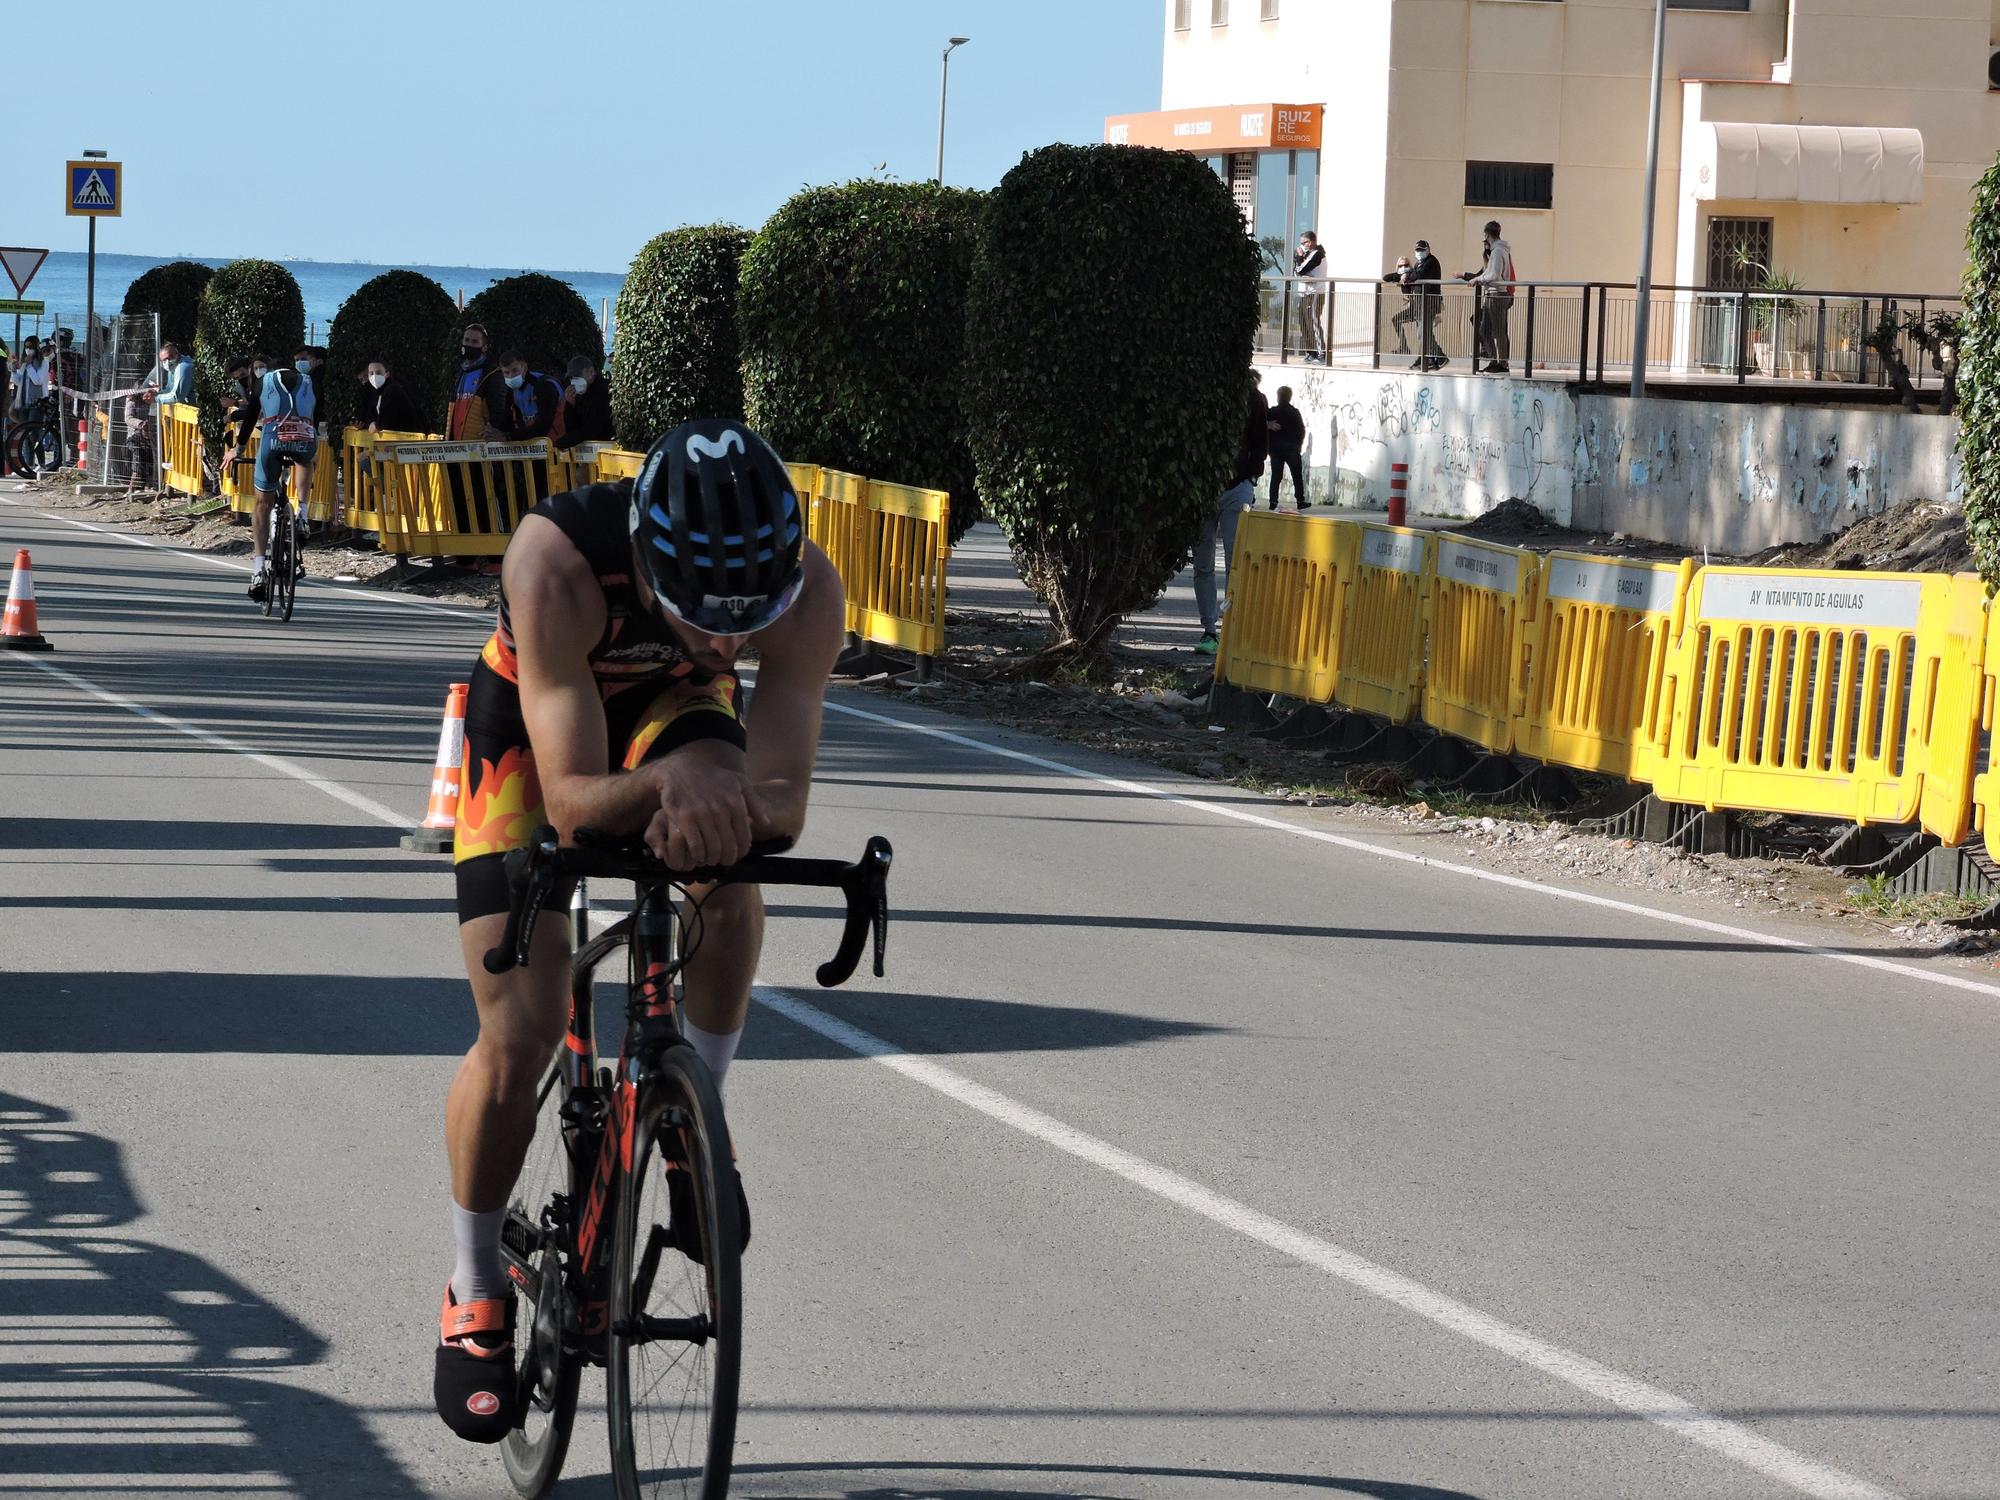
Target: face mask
pixel 378 381
pixel 259 373
pixel 514 382
pixel 471 354
pixel 579 385
pixel 303 366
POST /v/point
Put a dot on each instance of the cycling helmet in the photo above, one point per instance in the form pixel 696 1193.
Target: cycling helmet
pixel 717 527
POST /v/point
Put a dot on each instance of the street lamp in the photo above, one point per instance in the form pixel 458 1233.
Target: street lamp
pixel 944 77
pixel 1641 322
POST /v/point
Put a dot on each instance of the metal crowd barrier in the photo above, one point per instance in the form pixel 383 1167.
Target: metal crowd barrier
pixel 1860 696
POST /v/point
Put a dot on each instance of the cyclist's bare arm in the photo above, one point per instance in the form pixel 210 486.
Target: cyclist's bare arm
pixel 557 609
pixel 796 655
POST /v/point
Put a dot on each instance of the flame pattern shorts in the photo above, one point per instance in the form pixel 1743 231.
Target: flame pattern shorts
pixel 500 804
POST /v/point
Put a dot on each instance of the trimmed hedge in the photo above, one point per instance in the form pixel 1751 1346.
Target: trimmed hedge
pixel 538 315
pixel 1979 379
pixel 1106 371
pixel 401 316
pixel 852 313
pixel 675 349
pixel 249 307
pixel 174 292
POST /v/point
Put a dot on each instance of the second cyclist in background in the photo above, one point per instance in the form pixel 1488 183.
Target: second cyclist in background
pixel 285 429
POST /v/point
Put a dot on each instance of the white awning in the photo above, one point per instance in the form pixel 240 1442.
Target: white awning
pixel 1805 163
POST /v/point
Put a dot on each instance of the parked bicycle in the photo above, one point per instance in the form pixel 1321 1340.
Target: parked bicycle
pixel 36 445
pixel 640 1152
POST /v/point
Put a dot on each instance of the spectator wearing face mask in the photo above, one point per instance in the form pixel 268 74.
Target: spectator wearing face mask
pixel 586 406
pixel 239 404
pixel 468 418
pixel 521 404
pixel 384 405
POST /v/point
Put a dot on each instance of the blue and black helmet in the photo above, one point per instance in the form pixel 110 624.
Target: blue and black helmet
pixel 717 527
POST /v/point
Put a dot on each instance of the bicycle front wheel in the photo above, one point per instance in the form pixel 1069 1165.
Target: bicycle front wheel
pixel 676 1317
pixel 41 450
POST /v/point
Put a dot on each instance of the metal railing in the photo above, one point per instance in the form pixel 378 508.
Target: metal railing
pixel 1583 332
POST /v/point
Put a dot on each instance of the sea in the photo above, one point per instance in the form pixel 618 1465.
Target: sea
pixel 323 284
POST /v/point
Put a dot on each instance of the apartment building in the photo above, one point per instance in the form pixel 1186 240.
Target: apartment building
pixel 1836 140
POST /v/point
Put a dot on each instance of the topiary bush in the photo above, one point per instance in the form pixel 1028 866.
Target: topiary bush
pixel 401 316
pixel 853 319
pixel 1979 379
pixel 675 349
pixel 538 315
pixel 1106 372
pixel 173 291
pixel 249 307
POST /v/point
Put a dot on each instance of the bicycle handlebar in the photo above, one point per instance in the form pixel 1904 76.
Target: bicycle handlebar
pixel 533 871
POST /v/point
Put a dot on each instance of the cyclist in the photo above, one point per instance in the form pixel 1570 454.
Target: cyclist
pixel 285 427
pixel 607 698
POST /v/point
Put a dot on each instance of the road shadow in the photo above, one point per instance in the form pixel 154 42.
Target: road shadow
pixel 1002 1480
pixel 157 835
pixel 946 1025
pixel 133 1368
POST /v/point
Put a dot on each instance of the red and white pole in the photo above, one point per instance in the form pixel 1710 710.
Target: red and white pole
pixel 1399 494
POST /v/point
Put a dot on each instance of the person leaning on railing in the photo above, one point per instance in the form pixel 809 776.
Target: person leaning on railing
pixel 383 405
pixel 1495 280
pixel 1422 303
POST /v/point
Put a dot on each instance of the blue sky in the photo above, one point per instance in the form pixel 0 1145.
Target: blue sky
pixel 560 134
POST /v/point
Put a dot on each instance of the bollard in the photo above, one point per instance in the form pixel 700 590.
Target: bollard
pixel 1399 494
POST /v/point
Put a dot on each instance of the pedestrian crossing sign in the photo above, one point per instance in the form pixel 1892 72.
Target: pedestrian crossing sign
pixel 96 189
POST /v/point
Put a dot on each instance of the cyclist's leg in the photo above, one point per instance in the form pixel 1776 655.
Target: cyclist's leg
pixel 490 1110
pixel 720 970
pixel 267 478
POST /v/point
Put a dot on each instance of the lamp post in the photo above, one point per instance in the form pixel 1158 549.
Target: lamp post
pixel 944 78
pixel 1642 322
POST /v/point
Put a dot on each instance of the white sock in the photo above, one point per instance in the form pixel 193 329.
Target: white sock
pixel 256 562
pixel 716 1048
pixel 479 1274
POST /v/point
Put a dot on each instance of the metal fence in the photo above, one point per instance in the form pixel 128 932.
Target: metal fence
pixel 1585 331
pixel 124 432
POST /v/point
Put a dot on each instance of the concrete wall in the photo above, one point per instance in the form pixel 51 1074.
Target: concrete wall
pixel 1470 443
pixel 1742 477
pixel 1733 477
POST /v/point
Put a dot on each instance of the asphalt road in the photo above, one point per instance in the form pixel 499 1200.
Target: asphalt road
pixel 1191 1150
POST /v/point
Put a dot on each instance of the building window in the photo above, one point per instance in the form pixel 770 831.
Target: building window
pixel 1269 11
pixel 1218 12
pixel 1183 14
pixel 1509 184
pixel 1739 253
pixel 1708 4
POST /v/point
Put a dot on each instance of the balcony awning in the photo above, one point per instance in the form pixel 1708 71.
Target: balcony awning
pixel 1805 163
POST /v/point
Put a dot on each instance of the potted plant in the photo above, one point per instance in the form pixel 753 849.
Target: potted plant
pixel 1769 314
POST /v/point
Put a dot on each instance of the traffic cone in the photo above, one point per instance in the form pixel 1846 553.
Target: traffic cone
pixel 434 834
pixel 18 631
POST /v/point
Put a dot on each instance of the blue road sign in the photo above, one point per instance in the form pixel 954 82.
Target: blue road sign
pixel 96 189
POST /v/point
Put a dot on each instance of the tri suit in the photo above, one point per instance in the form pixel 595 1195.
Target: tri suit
pixel 655 700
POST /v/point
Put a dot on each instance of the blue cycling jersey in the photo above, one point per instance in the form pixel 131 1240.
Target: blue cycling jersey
pixel 275 401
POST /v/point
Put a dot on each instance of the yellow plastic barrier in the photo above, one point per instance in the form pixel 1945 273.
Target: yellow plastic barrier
pixel 1822 693
pixel 239 480
pixel 1281 631
pixel 609 463
pixel 1382 617
pixel 833 521
pixel 905 543
pixel 459 499
pixel 362 475
pixel 180 449
pixel 1596 691
pixel 1481 598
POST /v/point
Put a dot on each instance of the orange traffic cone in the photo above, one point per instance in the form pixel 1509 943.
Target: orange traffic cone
pixel 17 630
pixel 434 834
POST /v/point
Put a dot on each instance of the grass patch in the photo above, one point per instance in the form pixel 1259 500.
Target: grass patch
pixel 1874 897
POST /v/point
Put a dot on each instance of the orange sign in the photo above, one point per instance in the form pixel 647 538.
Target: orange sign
pixel 1221 127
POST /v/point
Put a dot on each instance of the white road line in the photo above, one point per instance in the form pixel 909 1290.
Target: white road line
pixel 208 737
pixel 1366 846
pixel 1727 1439
pixel 318 585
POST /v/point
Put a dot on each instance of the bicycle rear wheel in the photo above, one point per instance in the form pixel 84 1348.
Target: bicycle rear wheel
pixel 281 575
pixel 40 450
pixel 676 1326
pixel 551 1365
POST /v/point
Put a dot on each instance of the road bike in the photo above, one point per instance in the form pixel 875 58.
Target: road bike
pixel 622 1236
pixel 35 444
pixel 282 546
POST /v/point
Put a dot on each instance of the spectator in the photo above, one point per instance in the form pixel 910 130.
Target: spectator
pixel 1309 264
pixel 521 404
pixel 385 406
pixel 239 405
pixel 586 406
pixel 468 418
pixel 6 397
pixel 1287 426
pixel 1424 282
pixel 1400 278
pixel 172 379
pixel 1495 280
pixel 317 354
pixel 31 382
pixel 1242 491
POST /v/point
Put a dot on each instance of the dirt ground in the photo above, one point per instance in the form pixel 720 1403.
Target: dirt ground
pixel 1148 703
